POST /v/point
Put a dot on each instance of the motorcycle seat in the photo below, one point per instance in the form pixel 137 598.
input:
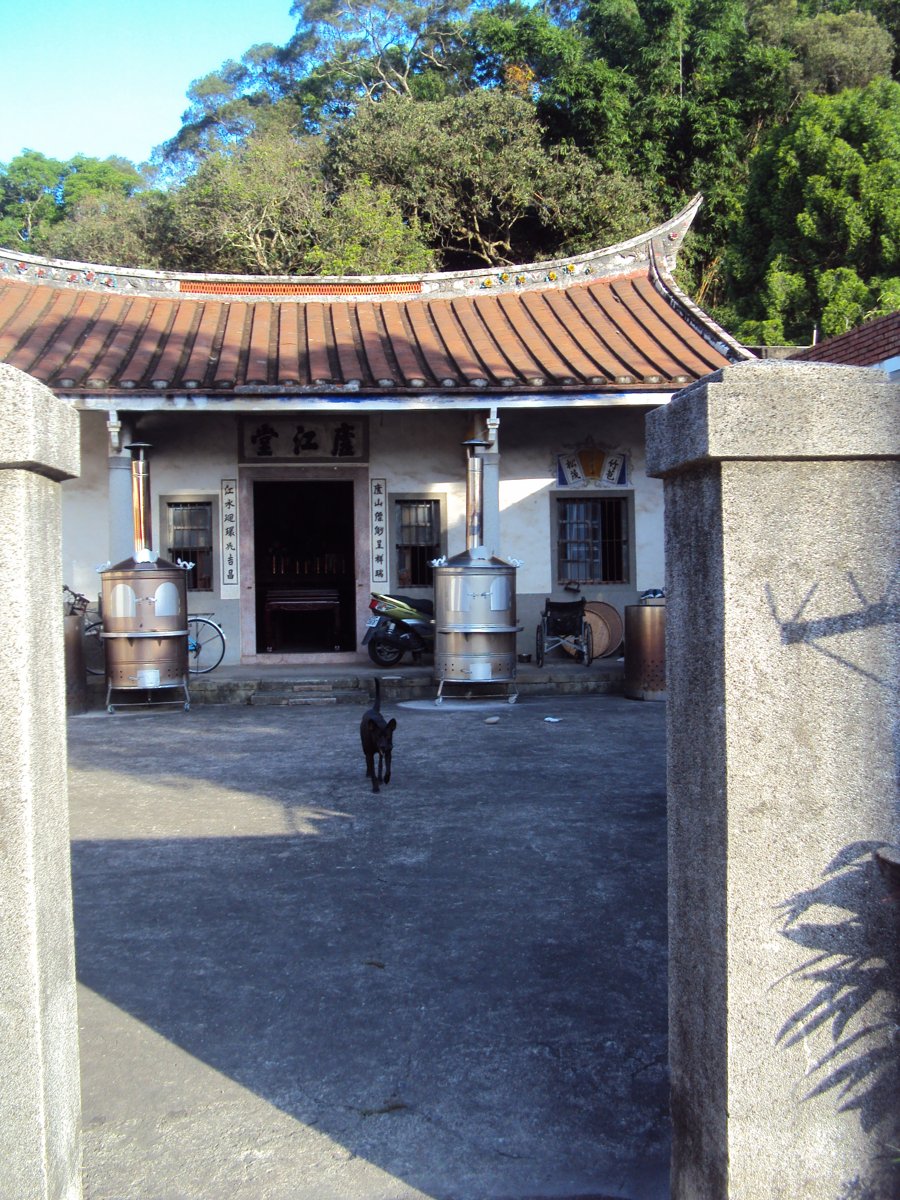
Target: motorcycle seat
pixel 423 606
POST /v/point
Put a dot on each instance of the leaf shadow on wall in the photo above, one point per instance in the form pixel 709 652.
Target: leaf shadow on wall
pixel 813 632
pixel 853 973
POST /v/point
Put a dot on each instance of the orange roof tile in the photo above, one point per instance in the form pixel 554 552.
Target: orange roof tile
pixel 603 321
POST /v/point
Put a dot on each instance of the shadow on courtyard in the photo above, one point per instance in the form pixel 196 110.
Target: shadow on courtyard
pixel 460 979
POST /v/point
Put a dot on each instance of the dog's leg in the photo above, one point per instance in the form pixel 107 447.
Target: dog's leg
pixel 391 726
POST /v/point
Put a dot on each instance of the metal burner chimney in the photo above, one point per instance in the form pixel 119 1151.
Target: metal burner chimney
pixel 475 493
pixel 144 603
pixel 140 498
pixel 475 601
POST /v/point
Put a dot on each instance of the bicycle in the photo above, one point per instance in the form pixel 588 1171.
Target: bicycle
pixel 76 605
pixel 205 644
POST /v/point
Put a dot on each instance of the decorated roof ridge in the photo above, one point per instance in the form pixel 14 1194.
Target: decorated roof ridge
pixel 659 245
pixel 699 320
pixel 622 324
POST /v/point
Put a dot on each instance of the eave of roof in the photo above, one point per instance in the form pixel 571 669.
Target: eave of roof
pixel 608 321
pixel 875 343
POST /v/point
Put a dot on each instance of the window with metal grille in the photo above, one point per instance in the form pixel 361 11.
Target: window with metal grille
pixel 190 539
pixel 592 540
pixel 417 540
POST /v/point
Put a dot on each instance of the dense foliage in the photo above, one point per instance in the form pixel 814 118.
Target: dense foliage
pixel 389 135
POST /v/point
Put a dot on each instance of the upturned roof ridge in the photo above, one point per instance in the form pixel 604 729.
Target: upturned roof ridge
pixel 659 245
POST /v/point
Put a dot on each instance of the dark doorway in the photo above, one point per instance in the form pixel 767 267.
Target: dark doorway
pixel 305 570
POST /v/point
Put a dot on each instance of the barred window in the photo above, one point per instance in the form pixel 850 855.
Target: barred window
pixel 417 540
pixel 592 540
pixel 190 539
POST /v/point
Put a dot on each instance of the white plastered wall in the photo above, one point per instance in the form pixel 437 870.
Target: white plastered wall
pixel 416 452
pixel 530 441
pixel 85 529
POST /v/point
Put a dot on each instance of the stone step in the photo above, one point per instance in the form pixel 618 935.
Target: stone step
pixel 358 688
pixel 308 686
pixel 297 696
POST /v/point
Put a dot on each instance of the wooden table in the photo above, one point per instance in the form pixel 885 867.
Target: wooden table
pixel 300 600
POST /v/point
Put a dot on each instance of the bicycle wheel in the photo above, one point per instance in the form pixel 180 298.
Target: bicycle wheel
pixel 206 645
pixel 94 654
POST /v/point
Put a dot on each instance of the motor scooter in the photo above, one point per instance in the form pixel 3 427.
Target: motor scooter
pixel 398 624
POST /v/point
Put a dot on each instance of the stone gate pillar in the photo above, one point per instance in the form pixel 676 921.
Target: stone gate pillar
pixel 40 1141
pixel 781 499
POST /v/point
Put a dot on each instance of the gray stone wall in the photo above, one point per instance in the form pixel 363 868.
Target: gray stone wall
pixel 782 497
pixel 39 1083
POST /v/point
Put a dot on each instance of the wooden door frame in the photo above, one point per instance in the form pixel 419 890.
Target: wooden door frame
pixel 248 476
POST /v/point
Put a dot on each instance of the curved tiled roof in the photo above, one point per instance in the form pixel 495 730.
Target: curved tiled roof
pixel 608 320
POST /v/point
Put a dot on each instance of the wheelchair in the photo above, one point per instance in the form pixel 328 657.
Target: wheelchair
pixel 563 623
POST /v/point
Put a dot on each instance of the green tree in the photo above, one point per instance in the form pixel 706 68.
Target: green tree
pixel 119 230
pixel 474 173
pixel 256 209
pixel 505 131
pixel 827 50
pixel 364 233
pixel 93 177
pixel 818 246
pixel 676 94
pixel 616 29
pixel 225 107
pixel 340 55
pixel 704 94
pixel 579 97
pixel 38 193
pixel 377 48
pixel 841 50
pixel 269 208
pixel 29 191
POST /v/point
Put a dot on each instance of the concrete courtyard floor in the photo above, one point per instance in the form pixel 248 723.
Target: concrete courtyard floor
pixel 293 989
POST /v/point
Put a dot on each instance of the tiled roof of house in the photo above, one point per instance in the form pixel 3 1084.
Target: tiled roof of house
pixel 868 345
pixel 608 320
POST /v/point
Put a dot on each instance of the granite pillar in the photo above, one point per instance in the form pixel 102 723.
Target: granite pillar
pixel 39 1082
pixel 781 495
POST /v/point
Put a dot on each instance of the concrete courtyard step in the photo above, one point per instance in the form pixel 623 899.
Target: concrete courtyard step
pixel 309 691
pixel 355 684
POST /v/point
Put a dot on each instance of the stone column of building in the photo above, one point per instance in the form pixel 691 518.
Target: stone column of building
pixel 781 498
pixel 40 1140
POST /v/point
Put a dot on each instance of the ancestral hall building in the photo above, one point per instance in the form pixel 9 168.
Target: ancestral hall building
pixel 308 433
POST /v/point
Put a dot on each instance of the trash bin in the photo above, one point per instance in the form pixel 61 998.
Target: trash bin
pixel 76 682
pixel 645 651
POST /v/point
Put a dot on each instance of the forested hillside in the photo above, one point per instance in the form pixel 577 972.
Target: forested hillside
pixel 394 136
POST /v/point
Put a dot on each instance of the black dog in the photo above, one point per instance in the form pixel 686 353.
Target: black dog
pixel 377 736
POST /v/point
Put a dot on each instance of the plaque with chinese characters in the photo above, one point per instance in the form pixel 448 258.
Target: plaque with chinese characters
pixel 591 467
pixel 231 570
pixel 379 531
pixel 303 439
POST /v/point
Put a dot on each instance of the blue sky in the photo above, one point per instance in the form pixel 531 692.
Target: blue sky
pixel 103 77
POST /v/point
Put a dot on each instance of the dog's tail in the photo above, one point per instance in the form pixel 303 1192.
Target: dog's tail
pixel 377 705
